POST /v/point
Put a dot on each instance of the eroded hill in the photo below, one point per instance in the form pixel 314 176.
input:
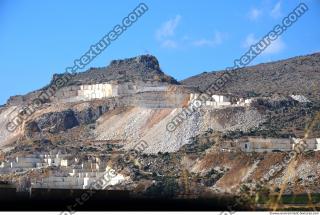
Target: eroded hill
pixel 223 144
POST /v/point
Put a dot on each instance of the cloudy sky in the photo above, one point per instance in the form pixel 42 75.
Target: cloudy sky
pixel 40 38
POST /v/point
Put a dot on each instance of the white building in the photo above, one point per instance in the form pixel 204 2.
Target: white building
pixel 221 100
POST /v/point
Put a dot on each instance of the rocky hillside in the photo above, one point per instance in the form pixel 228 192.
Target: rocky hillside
pixel 201 155
pixel 140 68
pixel 298 75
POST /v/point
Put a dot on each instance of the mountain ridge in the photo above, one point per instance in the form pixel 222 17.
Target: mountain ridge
pixel 268 78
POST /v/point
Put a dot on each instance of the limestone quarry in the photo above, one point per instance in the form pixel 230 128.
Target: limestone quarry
pixel 93 124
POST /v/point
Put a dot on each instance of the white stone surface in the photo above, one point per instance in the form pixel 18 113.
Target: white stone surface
pixel 300 98
pixel 248 101
pixel 318 144
pixel 87 92
pixel 64 162
pixel 220 98
pixel 8 115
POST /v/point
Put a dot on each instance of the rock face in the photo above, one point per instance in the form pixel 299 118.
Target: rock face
pixel 149 62
pixel 57 121
pixel 298 75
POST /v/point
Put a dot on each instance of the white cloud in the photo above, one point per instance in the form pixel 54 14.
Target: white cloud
pixel 255 13
pixel 275 47
pixel 217 39
pixel 168 28
pixel 276 10
pixel 186 38
pixel 169 44
pixel 250 40
pixel 202 42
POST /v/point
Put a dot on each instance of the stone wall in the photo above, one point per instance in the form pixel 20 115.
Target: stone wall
pixel 60 182
pixel 275 144
pixel 24 162
pixel 79 181
pixel 265 145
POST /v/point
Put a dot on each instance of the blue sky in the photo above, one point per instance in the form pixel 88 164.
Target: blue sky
pixel 40 38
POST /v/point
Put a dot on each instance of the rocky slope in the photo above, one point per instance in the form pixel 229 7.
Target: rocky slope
pixel 298 75
pixel 142 68
pixel 191 158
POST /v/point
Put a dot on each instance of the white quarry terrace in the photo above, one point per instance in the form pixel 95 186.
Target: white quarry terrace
pixel 106 90
pixel 221 100
pixel 259 144
pixel 80 175
pixel 278 144
pixel 300 98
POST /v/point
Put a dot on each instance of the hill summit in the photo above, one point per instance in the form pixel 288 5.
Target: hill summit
pixel 140 68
